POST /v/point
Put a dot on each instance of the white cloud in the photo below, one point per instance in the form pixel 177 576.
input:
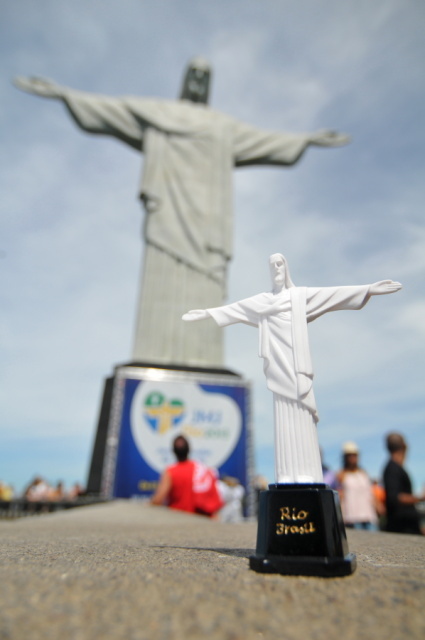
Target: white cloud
pixel 411 319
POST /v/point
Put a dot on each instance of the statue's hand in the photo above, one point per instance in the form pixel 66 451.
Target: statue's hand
pixel 39 86
pixel 384 286
pixel 195 314
pixel 325 138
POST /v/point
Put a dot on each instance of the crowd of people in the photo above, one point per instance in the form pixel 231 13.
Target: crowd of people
pixel 368 504
pixel 365 503
pixel 39 490
pixel 193 487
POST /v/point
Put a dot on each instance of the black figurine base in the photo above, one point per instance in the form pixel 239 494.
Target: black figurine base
pixel 301 532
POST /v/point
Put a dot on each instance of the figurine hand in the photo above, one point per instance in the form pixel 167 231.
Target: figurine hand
pixel 39 86
pixel 325 138
pixel 384 286
pixel 195 314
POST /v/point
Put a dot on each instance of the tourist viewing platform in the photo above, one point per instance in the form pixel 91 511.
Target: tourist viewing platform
pixel 129 570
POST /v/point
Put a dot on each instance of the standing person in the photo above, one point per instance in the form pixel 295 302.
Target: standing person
pixel 188 485
pixel 232 494
pixel 58 493
pixel 282 316
pixel 356 492
pixel 38 490
pixel 381 509
pixel 402 516
pixel 190 152
pixel 6 492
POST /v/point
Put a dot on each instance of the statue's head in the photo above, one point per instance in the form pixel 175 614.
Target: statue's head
pixel 279 272
pixel 196 83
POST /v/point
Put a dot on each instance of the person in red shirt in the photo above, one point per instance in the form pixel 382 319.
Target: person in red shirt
pixel 187 485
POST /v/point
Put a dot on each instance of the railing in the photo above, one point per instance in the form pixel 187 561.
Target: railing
pixel 21 508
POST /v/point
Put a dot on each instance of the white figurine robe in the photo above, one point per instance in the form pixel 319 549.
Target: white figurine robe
pixel 282 321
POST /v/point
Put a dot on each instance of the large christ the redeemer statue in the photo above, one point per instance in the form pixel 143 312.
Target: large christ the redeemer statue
pixel 190 151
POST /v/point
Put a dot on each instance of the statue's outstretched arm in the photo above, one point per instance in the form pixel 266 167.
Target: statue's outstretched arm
pixel 383 287
pixel 252 146
pixel 40 86
pixel 195 314
pixel 91 112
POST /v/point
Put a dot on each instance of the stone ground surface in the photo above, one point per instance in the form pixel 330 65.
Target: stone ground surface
pixel 131 571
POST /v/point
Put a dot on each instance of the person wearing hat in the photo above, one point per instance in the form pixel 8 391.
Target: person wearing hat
pixel 355 489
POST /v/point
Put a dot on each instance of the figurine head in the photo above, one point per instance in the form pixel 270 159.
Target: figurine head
pixel 279 272
pixel 196 83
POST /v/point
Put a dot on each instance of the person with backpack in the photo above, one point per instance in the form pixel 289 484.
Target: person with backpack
pixel 188 485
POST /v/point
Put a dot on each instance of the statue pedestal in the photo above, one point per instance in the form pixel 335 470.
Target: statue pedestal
pixel 301 532
pixel 145 406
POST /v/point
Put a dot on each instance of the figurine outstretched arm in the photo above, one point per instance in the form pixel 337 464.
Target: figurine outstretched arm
pixel 384 287
pixel 195 314
pixel 40 86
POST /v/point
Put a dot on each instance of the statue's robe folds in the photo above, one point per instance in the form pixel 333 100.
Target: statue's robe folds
pixel 190 151
pixel 282 321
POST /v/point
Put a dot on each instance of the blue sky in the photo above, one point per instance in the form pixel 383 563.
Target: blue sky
pixel 70 224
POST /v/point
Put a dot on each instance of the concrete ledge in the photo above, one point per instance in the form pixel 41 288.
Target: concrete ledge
pixel 127 570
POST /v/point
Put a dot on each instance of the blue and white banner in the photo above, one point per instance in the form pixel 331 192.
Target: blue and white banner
pixel 211 411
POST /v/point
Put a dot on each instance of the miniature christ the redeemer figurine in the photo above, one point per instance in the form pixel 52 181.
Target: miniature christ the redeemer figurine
pixel 282 316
